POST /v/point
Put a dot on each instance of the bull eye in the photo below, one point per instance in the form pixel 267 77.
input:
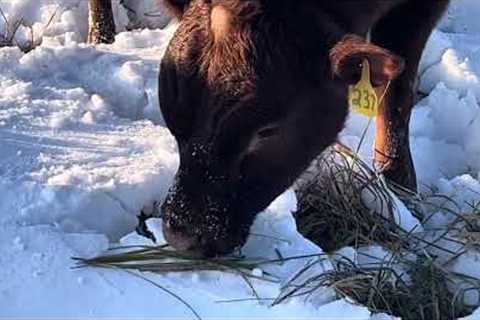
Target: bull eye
pixel 267 132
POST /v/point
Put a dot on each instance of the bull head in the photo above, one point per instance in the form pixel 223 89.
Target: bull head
pixel 253 91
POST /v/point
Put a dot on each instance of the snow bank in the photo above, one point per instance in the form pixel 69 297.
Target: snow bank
pixel 69 147
pixel 84 148
pixel 40 256
pixel 462 17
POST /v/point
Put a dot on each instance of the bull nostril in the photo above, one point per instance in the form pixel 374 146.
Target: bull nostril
pixel 179 239
pixel 198 246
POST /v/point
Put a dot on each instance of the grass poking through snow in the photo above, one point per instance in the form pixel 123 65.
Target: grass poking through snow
pixel 414 280
pixel 136 260
pixel 335 185
pixel 162 259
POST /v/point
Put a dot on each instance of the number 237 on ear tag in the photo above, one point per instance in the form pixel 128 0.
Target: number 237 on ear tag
pixel 362 98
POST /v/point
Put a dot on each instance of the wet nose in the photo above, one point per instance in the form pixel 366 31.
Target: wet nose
pixel 179 239
pixel 202 247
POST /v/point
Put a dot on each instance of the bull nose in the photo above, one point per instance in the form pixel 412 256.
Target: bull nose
pixel 194 245
pixel 178 239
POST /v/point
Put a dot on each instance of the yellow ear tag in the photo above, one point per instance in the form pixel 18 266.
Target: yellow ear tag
pixel 362 98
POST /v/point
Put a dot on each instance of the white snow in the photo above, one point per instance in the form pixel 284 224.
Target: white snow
pixel 84 149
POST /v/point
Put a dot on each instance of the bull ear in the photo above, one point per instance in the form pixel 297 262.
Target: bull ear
pixel 347 55
pixel 176 7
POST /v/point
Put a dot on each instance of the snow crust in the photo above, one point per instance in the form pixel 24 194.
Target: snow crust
pixel 84 148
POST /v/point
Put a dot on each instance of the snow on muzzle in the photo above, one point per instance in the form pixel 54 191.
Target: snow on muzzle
pixel 201 222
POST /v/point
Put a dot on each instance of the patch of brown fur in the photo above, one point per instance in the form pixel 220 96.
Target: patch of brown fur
pixel 230 46
pixel 220 22
pixel 243 11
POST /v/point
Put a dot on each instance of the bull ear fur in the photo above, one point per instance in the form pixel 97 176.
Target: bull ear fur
pixel 176 7
pixel 347 55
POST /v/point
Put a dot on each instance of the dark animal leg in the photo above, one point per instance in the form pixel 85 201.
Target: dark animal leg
pixel 405 31
pixel 142 228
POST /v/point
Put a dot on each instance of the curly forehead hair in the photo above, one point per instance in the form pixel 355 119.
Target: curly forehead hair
pixel 227 55
pixel 227 49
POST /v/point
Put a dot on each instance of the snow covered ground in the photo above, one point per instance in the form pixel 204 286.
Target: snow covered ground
pixel 83 149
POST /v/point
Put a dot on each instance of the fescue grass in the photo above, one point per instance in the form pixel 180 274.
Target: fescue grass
pixel 162 259
pixel 335 184
pixel 467 226
pixel 135 260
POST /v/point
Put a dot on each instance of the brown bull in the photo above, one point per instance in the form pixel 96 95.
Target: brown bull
pixel 254 90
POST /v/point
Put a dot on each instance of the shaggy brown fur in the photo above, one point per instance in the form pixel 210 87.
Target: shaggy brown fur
pixel 236 45
pixel 221 21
